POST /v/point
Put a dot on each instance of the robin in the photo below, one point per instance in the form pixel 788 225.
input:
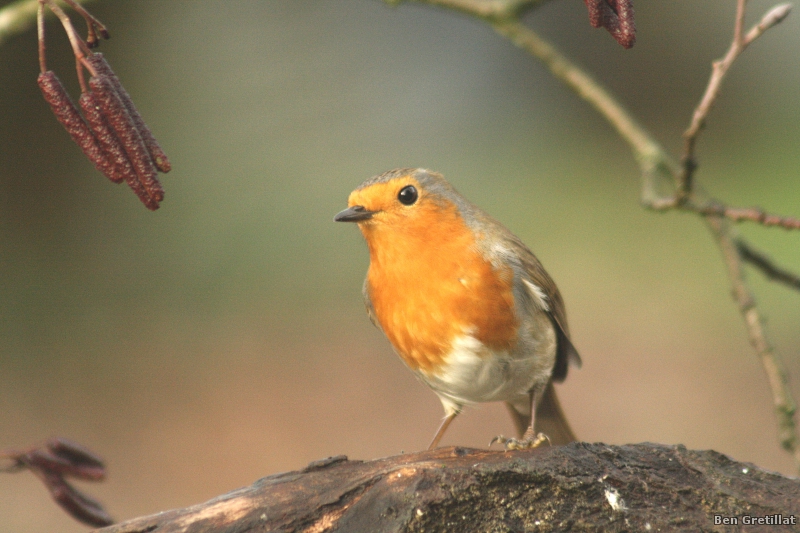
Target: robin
pixel 464 303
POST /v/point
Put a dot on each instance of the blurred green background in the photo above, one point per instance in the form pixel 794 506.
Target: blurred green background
pixel 223 338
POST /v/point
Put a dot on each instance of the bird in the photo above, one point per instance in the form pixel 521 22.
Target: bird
pixel 464 303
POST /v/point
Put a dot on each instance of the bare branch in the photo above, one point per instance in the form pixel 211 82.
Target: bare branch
pixel 644 147
pixel 737 214
pixel 776 374
pixel 713 207
pixel 766 265
pixel 656 165
pixel 719 69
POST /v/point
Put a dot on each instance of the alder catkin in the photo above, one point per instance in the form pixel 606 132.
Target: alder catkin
pixel 68 115
pixel 76 453
pixel 108 141
pixel 101 66
pixel 149 190
pixel 78 505
pixel 86 464
pixel 47 460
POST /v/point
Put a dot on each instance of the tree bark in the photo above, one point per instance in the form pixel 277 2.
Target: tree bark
pixel 578 487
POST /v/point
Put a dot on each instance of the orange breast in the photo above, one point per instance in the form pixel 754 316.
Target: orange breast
pixel 428 284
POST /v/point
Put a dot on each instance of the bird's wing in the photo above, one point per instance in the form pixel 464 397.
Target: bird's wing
pixel 540 284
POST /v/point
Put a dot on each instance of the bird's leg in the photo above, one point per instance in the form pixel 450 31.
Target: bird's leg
pixel 530 439
pixel 442 428
pixel 521 421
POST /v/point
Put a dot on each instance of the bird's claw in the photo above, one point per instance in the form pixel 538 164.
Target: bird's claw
pixel 523 444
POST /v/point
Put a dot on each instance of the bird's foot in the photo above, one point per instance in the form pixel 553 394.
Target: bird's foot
pixel 526 443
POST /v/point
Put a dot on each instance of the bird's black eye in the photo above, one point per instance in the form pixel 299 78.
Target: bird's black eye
pixel 408 195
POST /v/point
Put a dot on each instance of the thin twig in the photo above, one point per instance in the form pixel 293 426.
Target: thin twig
pixel 654 162
pixel 92 24
pixel 79 47
pixel 782 399
pixel 484 9
pixel 18 16
pixel 720 68
pixel 713 207
pixel 40 33
pixel 766 265
pixel 737 214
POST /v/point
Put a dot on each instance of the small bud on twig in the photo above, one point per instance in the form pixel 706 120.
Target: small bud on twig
pixel 771 18
pixel 776 15
pixel 93 25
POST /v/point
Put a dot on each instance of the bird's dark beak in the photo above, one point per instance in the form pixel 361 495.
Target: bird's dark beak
pixel 357 213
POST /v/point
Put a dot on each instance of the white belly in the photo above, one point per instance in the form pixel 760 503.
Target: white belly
pixel 473 373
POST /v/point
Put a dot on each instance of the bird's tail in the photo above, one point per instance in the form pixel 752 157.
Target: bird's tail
pixel 550 419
